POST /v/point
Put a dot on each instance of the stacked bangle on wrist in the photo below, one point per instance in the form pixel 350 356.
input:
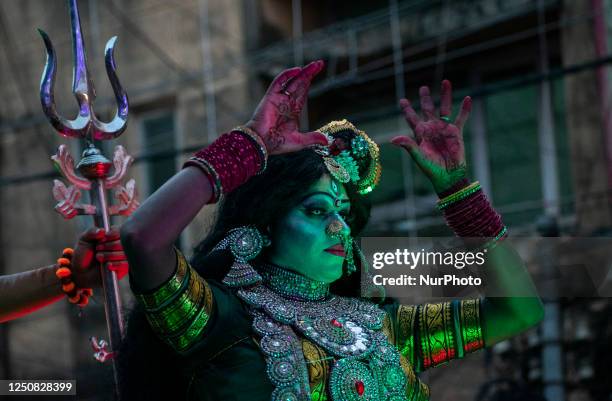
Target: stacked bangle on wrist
pixel 458 195
pixel 254 136
pixel 231 160
pixel 469 214
pixel 79 296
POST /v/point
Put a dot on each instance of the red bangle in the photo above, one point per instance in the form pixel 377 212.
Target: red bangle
pixel 229 162
pixel 473 216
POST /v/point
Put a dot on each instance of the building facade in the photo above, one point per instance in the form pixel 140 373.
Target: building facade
pixel 537 139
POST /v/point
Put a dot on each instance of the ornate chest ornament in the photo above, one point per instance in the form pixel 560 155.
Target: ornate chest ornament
pixel 366 368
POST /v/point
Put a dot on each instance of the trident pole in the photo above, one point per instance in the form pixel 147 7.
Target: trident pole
pixel 96 174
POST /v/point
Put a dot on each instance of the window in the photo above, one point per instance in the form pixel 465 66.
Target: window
pixel 159 148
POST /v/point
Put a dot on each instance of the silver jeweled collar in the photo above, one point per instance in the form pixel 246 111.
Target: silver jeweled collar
pixel 292 285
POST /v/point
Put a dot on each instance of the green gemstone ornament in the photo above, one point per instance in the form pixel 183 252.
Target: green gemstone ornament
pixel 349 164
pixel 359 147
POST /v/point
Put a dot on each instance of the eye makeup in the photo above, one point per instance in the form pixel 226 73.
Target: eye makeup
pixel 321 208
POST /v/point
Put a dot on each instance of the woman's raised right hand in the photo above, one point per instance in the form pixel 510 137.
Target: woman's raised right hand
pixel 277 116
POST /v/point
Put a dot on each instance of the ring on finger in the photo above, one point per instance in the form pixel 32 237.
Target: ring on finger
pixel 446 119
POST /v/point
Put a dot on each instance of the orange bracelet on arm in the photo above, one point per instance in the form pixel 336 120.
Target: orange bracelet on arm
pixel 79 296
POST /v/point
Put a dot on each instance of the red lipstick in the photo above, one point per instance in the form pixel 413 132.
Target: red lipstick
pixel 337 250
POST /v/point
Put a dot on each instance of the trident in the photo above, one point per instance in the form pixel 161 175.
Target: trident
pixel 94 167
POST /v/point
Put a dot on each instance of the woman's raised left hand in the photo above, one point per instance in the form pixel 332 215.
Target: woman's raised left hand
pixel 437 146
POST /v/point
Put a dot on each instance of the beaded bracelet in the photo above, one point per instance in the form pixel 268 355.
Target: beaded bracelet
pixel 78 296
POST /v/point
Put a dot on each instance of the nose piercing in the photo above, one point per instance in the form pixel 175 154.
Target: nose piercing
pixel 334 228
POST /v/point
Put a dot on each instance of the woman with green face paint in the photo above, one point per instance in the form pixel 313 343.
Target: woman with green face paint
pixel 302 240
pixel 270 306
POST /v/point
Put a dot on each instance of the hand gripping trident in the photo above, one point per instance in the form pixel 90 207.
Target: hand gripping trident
pixel 94 168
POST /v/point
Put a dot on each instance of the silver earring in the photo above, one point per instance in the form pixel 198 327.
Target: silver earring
pixel 245 243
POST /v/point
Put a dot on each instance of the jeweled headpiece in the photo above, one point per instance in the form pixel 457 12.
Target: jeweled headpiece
pixel 351 155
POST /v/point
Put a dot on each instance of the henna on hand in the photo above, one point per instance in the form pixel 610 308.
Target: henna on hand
pixel 276 118
pixel 287 114
pixel 274 139
pixel 437 146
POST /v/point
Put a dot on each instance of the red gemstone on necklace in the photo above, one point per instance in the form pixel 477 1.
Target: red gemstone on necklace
pixel 336 323
pixel 359 387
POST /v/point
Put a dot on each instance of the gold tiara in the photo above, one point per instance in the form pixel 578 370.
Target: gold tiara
pixel 343 164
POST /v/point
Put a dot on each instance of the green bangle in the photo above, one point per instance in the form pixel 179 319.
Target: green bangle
pixel 436 330
pixel 471 326
pixel 458 334
pixel 178 314
pixel 459 195
pixel 492 243
pixel 157 299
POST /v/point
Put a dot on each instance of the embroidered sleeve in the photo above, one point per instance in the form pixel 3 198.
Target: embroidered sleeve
pixel 180 309
pixel 431 334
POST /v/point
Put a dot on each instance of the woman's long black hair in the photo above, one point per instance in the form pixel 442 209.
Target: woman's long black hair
pixel 148 368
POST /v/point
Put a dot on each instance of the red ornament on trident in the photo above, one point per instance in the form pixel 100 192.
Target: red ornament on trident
pixel 98 175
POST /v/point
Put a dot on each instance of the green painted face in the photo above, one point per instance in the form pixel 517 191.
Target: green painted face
pixel 302 240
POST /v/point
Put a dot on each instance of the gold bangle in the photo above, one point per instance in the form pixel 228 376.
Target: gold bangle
pixel 180 312
pixel 205 166
pixel 436 328
pixel 157 299
pixel 471 326
pixel 459 195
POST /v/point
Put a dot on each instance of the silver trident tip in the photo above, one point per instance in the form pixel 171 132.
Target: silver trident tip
pixel 119 122
pixel 86 124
